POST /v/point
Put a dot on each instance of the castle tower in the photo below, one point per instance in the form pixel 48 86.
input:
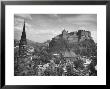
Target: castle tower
pixel 65 34
pixel 23 43
pixel 84 35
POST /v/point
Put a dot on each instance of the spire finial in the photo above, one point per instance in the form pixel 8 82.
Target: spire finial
pixel 24 21
pixel 24 26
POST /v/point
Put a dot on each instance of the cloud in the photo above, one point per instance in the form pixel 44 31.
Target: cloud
pixel 94 35
pixel 17 34
pixel 18 28
pixel 18 20
pixel 41 27
pixel 88 19
pixel 81 17
pixel 24 16
pixel 53 15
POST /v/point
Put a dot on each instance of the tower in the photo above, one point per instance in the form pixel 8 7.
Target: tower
pixel 23 43
pixel 65 34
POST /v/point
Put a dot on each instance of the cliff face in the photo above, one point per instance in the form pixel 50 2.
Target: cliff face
pixel 79 42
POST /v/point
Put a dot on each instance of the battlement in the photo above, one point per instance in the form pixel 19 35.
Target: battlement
pixel 75 36
pixel 83 34
pixel 64 34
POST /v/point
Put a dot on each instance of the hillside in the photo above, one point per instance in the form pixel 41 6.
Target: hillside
pixel 67 54
pixel 79 42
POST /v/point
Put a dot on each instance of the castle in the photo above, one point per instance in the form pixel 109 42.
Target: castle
pixel 76 36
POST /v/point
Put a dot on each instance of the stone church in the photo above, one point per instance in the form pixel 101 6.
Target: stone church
pixel 23 43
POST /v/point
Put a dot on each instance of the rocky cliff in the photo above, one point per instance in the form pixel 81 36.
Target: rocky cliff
pixel 79 42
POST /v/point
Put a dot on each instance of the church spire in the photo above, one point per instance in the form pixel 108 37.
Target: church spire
pixel 23 36
pixel 23 42
pixel 23 33
pixel 24 27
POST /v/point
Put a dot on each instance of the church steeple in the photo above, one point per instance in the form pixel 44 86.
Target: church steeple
pixel 23 42
pixel 23 36
pixel 23 33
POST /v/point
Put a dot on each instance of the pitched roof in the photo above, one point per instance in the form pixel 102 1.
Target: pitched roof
pixel 69 54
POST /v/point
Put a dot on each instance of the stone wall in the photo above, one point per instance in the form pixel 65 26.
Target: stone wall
pixel 80 35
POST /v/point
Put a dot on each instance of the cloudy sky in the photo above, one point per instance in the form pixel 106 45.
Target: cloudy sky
pixel 42 27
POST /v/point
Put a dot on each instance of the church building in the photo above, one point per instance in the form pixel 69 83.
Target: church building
pixel 23 43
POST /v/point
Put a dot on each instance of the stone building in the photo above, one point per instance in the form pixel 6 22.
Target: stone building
pixel 64 34
pixel 79 35
pixel 68 40
pixel 73 38
pixel 23 43
pixel 84 35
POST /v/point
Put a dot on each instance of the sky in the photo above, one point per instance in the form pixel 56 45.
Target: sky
pixel 43 27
